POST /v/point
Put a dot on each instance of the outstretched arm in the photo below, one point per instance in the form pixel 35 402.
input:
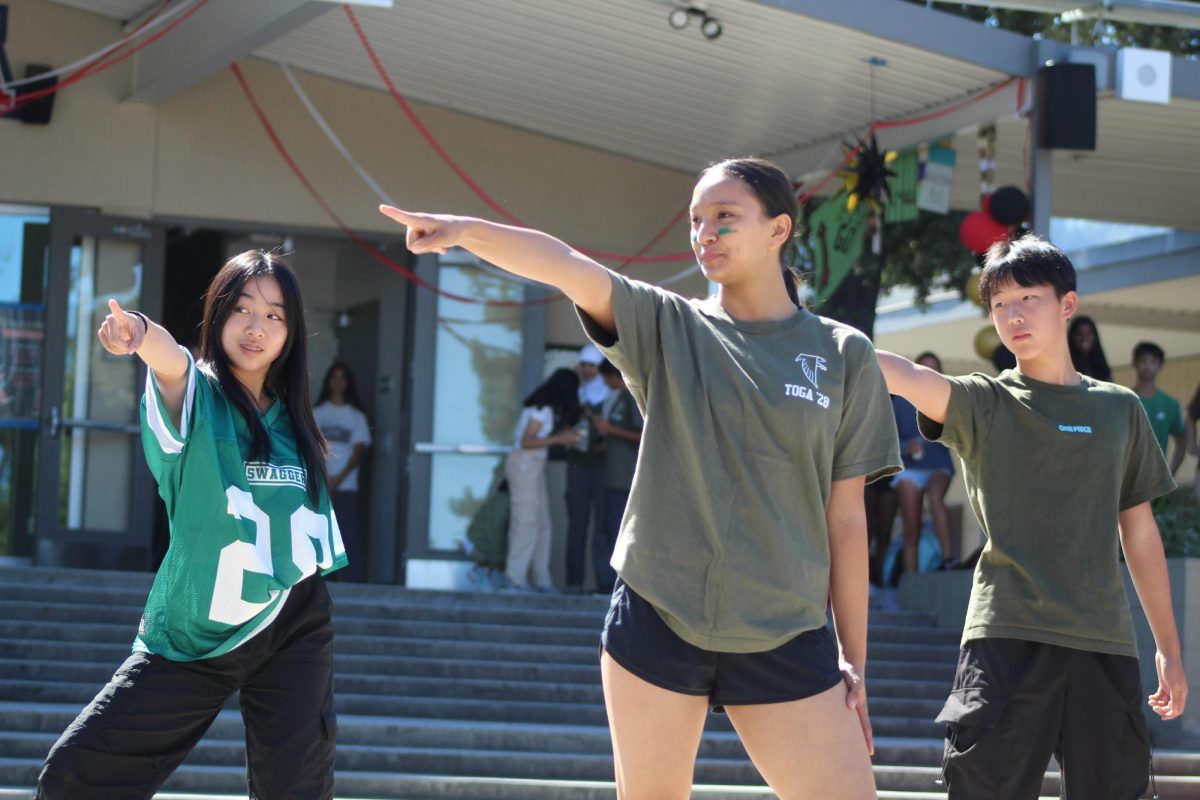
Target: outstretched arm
pixel 1148 567
pixel 846 520
pixel 123 333
pixel 925 388
pixel 521 251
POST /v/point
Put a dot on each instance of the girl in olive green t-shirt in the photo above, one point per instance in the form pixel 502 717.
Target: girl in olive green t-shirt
pixel 762 423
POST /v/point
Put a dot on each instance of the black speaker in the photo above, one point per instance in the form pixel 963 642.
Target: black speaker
pixel 1066 99
pixel 37 112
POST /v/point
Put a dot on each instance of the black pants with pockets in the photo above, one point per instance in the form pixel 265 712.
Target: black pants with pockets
pixel 143 724
pixel 1017 702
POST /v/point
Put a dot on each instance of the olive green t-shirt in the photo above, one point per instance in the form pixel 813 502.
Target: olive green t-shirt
pixel 620 455
pixel 1048 468
pixel 747 424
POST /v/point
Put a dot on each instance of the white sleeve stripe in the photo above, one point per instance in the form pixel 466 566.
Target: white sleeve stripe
pixel 159 426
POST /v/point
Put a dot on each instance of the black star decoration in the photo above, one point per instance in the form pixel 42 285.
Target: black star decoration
pixel 866 177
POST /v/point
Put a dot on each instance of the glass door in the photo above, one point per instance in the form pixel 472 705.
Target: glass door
pixel 24 256
pixel 95 495
pixel 477 366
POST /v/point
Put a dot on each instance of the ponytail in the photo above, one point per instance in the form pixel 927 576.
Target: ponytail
pixel 789 282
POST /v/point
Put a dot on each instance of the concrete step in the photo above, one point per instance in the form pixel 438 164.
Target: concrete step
pixel 17 600
pixel 201 780
pixel 442 677
pixel 920 661
pixel 47 583
pixel 891 717
pixel 48 720
pixel 436 787
pixel 98 661
pixel 214 764
pixel 42 620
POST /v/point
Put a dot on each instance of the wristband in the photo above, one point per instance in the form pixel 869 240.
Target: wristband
pixel 145 320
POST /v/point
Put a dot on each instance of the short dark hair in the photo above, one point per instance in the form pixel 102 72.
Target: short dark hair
pixel 608 368
pixel 1027 261
pixel 1149 349
pixel 929 354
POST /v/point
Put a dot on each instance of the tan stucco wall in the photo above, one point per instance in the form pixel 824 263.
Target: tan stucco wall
pixel 203 154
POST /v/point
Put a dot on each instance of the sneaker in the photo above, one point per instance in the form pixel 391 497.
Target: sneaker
pixel 519 588
pixel 891 600
pixel 480 578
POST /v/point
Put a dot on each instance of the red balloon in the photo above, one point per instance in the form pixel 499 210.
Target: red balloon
pixel 979 231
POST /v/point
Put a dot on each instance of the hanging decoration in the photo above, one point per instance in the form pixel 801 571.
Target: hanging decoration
pixel 985 143
pixel 1008 206
pixel 971 290
pixel 1002 209
pixel 835 237
pixel 937 177
pixel 866 176
pixel 979 231
pixel 986 342
pixel 903 188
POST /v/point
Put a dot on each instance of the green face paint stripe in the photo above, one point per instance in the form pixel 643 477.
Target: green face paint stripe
pixel 723 231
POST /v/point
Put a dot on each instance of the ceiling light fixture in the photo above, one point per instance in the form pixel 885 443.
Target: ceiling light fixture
pixel 681 16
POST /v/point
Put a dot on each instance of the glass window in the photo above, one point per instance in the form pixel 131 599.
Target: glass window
pixel 24 253
pixel 100 390
pixel 476 373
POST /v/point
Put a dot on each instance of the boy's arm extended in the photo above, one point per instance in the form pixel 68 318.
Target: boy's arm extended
pixel 1148 567
pixel 926 389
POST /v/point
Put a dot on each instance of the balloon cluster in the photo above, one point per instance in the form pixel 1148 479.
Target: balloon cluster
pixel 1002 210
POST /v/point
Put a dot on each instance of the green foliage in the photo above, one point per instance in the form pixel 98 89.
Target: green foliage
pixel 924 253
pixel 1178 517
pixel 1180 41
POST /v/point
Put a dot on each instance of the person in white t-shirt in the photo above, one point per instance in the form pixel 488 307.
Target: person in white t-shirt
pixel 527 568
pixel 341 419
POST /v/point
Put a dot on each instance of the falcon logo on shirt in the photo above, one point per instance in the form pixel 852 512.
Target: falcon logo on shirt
pixel 811 366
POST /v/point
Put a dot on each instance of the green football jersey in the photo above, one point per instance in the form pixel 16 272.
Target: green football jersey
pixel 242 533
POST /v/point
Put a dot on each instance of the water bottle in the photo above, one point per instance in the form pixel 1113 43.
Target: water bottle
pixel 584 429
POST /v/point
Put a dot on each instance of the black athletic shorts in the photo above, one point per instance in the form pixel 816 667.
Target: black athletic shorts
pixel 1016 702
pixel 636 637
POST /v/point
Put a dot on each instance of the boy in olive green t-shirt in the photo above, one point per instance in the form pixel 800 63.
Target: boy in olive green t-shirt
pixel 1060 470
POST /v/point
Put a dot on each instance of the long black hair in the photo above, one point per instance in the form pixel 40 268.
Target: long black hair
pixel 1092 363
pixel 771 187
pixel 287 377
pixel 351 394
pixel 560 392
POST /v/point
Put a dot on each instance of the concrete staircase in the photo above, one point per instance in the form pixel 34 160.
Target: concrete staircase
pixel 450 695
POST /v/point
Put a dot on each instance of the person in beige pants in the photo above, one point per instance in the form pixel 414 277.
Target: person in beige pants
pixel 527 568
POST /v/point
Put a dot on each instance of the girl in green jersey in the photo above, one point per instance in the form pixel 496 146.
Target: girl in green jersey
pixel 238 603
pixel 762 423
